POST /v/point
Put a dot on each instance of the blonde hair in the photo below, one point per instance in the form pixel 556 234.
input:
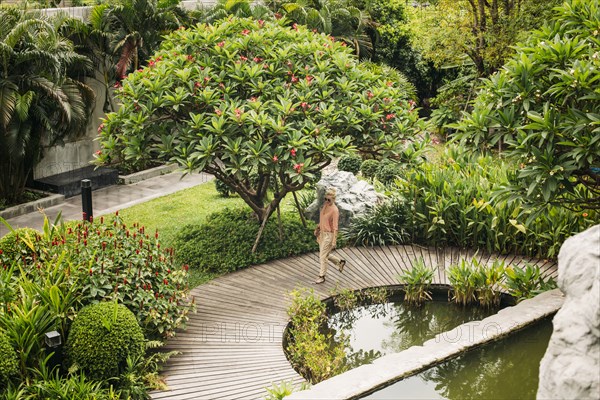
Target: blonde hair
pixel 330 192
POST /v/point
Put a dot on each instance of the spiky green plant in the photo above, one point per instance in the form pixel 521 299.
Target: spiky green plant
pixel 416 283
pixel 464 282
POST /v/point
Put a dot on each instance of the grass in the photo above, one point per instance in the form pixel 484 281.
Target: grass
pixel 169 213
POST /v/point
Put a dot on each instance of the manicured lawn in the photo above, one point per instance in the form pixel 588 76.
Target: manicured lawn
pixel 169 213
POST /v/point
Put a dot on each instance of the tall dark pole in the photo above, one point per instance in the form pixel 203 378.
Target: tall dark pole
pixel 86 199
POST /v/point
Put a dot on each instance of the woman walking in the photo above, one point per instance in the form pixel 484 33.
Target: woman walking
pixel 326 233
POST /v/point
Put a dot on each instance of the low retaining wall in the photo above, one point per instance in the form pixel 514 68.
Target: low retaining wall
pixel 26 208
pixel 147 174
pixel 393 367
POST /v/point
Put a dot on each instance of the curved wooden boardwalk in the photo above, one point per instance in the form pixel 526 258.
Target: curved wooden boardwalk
pixel 232 348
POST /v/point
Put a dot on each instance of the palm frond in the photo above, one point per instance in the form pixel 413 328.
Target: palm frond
pixel 8 98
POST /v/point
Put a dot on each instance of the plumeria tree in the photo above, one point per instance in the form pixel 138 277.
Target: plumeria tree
pixel 261 106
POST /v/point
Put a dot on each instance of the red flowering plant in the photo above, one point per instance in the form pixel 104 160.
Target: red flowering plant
pixel 257 99
pixel 110 260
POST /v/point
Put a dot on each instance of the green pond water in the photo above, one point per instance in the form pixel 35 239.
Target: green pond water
pixel 507 369
pixel 379 329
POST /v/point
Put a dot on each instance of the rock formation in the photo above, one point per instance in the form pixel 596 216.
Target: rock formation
pixel 354 197
pixel 570 368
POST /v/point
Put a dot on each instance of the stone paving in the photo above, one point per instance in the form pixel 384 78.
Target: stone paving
pixel 110 199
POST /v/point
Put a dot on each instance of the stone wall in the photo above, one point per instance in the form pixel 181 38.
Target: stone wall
pixel 570 368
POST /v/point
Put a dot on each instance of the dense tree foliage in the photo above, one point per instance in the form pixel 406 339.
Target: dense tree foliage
pixel 258 105
pixel 544 107
pixel 121 36
pixel 478 32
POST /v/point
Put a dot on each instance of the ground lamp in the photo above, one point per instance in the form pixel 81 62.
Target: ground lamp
pixel 52 339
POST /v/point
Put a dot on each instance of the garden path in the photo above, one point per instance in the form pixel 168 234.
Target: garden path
pixel 232 348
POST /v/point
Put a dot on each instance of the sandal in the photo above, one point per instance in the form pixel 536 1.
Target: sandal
pixel 341 265
pixel 320 279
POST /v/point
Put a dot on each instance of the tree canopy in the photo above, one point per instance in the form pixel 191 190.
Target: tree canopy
pixel 258 105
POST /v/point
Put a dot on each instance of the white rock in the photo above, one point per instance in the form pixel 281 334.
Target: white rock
pixel 570 368
pixel 353 197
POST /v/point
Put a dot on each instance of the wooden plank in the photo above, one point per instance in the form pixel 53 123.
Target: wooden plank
pixel 233 345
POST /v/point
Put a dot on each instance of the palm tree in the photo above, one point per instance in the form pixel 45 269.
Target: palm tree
pixel 121 37
pixel 42 96
pixel 136 29
pixel 338 18
pixel 239 8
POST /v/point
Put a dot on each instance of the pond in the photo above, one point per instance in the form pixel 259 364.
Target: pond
pixel 374 330
pixel 507 369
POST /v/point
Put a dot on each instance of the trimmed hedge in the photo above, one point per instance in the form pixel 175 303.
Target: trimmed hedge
pixel 8 360
pixel 102 336
pixel 369 168
pixel 388 171
pixel 350 163
pixel 224 242
pixel 222 188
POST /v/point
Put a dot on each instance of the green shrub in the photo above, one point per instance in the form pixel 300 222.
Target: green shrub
pixel 543 107
pixel 8 360
pixel 385 224
pixel 350 163
pixel 452 204
pixel 222 188
pixel 488 293
pixel 18 243
pixel 102 336
pixel 369 168
pixel 224 242
pixel 463 279
pixel 416 283
pixel 526 282
pixel 388 171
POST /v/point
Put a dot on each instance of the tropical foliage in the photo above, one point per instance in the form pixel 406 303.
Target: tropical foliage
pixel 252 98
pixel 48 277
pixel 42 98
pixel 544 108
pixel 448 202
pixel 417 281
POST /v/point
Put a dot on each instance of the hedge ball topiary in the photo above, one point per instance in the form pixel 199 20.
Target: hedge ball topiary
pixel 102 336
pixel 9 365
pixel 388 171
pixel 369 168
pixel 350 163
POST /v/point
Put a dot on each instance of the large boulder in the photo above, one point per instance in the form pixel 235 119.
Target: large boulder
pixel 570 368
pixel 353 197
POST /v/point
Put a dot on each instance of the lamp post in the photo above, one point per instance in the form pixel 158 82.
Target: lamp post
pixel 86 199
